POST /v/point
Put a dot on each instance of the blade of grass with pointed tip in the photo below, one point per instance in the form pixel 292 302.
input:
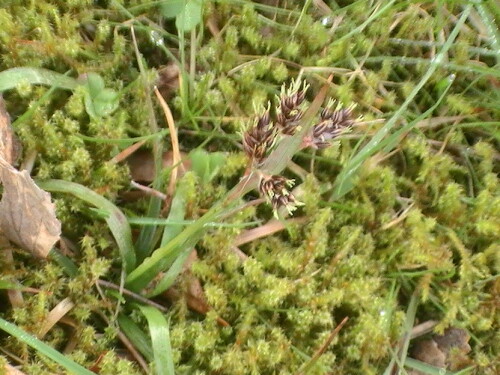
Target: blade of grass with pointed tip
pixel 116 220
pixel 160 339
pixel 344 182
pixel 11 78
pixel 136 336
pixel 71 366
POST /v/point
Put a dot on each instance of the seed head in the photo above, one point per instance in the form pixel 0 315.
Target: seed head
pixel 258 140
pixel 275 189
pixel 332 124
pixel 289 110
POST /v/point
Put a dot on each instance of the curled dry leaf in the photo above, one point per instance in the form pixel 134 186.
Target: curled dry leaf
pixel 27 215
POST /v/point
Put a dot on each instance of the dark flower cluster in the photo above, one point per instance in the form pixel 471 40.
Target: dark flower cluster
pixel 332 124
pixel 275 189
pixel 259 140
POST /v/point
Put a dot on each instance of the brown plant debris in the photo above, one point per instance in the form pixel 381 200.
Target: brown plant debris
pixel 27 215
pixel 447 351
pixel 10 147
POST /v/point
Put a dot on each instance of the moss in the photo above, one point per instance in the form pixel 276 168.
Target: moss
pixel 426 217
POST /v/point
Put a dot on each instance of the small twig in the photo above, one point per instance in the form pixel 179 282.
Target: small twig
pixel 129 293
pixel 323 347
pixel 130 347
pixel 148 190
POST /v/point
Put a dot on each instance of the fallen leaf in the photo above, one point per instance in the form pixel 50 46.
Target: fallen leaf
pixel 27 215
pixel 10 148
pixel 447 351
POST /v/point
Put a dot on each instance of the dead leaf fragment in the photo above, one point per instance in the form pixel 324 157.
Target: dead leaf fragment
pixel 10 147
pixel 27 215
pixel 447 351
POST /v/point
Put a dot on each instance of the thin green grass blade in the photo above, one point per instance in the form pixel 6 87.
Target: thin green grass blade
pixel 7 284
pixel 115 219
pixel 431 370
pixel 408 325
pixel 146 241
pixel 162 257
pixel 160 338
pixel 136 336
pixel 177 212
pixel 387 144
pixel 344 182
pixel 71 366
pixel 11 78
pixel 66 264
pixel 124 141
pixel 182 223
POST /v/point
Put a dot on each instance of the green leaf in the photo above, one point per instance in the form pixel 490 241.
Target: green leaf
pixel 71 366
pixel 172 8
pixel 116 220
pixel 99 101
pixel 190 16
pixel 7 284
pixel 160 338
pixel 206 165
pixel 11 78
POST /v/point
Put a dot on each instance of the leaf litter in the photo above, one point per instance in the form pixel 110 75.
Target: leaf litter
pixel 27 214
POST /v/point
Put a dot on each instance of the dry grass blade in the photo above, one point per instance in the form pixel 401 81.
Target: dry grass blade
pixel 176 153
pixel 323 348
pixel 271 227
pixel 127 152
pixel 61 309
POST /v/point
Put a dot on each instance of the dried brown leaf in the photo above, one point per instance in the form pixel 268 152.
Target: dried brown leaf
pixel 27 215
pixel 9 145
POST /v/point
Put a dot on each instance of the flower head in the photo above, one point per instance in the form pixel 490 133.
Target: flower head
pixel 275 189
pixel 259 139
pixel 332 124
pixel 289 111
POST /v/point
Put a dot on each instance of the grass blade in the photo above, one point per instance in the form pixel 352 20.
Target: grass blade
pixel 160 338
pixel 42 348
pixel 344 181
pixel 115 218
pixel 136 336
pixel 11 78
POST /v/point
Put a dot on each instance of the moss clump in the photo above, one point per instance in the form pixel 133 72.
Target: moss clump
pixel 424 218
